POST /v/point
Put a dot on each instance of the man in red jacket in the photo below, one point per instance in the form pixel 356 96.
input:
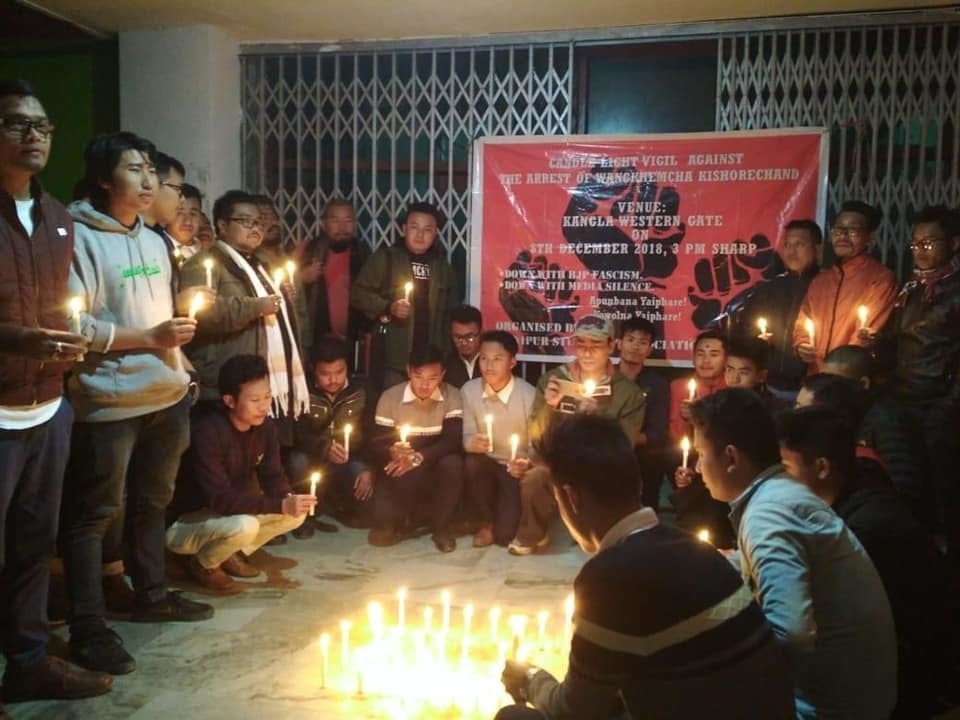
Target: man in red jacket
pixel 36 245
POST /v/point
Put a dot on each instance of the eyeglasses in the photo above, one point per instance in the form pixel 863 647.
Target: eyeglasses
pixel 20 127
pixel 464 339
pixel 853 231
pixel 248 223
pixel 178 189
pixel 926 244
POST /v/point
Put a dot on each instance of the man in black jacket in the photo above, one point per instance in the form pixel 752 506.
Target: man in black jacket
pixel 466 324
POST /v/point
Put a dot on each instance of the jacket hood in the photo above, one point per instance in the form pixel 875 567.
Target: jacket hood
pixel 82 211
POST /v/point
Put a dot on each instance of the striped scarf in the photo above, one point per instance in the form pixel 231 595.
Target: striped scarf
pixel 930 280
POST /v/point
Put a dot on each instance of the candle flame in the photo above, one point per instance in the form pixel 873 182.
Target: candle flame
pixel 196 305
pixel 208 264
pixel 589 387
pixel 692 388
pixel 808 326
pixel 404 433
pixel 291 268
pixel 863 313
pixel 762 324
pixel 703 535
pixel 685 444
pixel 402 593
pixel 76 304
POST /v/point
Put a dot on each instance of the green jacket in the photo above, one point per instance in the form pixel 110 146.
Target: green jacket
pixel 381 281
pixel 315 431
pixel 627 403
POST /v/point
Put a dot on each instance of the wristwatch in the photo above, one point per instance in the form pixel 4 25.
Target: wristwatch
pixel 416 459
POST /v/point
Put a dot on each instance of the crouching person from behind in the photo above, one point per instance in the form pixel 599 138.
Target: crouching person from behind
pixel 232 496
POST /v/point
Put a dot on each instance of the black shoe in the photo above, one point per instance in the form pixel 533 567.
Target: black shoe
pixel 444 541
pixel 173 608
pixel 325 527
pixel 304 532
pixel 3 713
pixel 278 540
pixel 52 679
pixel 101 650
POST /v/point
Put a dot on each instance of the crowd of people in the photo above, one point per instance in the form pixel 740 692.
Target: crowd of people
pixel 181 390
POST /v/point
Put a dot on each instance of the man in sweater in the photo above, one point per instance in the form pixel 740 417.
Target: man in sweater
pixel 130 395
pixel 813 580
pixel 417 441
pixel 496 461
pixel 662 627
pixel 232 496
pixel 36 348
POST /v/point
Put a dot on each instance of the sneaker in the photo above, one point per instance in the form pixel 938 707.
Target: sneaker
pixel 118 596
pixel 173 608
pixel 518 548
pixel 483 537
pixel 305 531
pixel 239 566
pixel 444 541
pixel 214 579
pixel 325 527
pixel 101 650
pixel 53 679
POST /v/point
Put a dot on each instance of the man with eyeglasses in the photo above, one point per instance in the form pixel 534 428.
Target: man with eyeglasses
pixel 167 200
pixel 831 306
pixel 36 348
pixel 466 324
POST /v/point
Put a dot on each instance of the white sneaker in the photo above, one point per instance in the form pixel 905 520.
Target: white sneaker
pixel 518 548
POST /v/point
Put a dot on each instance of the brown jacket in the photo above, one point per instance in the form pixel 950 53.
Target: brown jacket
pixel 833 299
pixel 33 293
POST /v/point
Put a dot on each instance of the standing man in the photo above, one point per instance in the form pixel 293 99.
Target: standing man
pixel 777 302
pixel 837 293
pixel 168 198
pixel 466 324
pixel 184 228
pixel 36 244
pixel 130 394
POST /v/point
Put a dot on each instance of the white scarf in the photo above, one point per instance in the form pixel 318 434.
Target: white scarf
pixel 276 358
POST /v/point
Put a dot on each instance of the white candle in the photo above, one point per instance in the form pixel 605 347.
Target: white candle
pixel 494 623
pixel 427 621
pixel 762 324
pixel 345 626
pixel 407 289
pixel 324 659
pixel 703 535
pixel 401 608
pixel 863 313
pixel 314 481
pixel 514 444
pixel 589 388
pixel 445 599
pixel 291 267
pixel 347 429
pixel 685 447
pixel 692 389
pixel 808 326
pixel 568 608
pixel 208 266
pixel 467 618
pixel 278 279
pixel 542 618
pixel 76 307
pixel 518 624
pixel 196 305
pixel 489 421
pixel 404 434
pixel 375 616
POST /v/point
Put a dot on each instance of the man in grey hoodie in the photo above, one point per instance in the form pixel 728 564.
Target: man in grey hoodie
pixel 131 398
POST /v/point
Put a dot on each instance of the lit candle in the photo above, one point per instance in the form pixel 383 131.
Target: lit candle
pixel 494 623
pixel 514 444
pixel 568 608
pixel 703 535
pixel 542 617
pixel 401 608
pixel 518 624
pixel 76 306
pixel 589 388
pixel 324 659
pixel 692 389
pixel 762 324
pixel 177 257
pixel 427 620
pixel 445 598
pixel 404 434
pixel 863 313
pixel 347 429
pixel 345 643
pixel 375 616
pixel 808 326
pixel 291 267
pixel 208 266
pixel 196 305
pixel 314 480
pixel 467 618
pixel 685 447
pixel 407 289
pixel 278 279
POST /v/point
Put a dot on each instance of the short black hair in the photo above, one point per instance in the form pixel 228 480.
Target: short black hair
pixel 81 190
pixel 820 432
pixel 261 199
pixel 426 209
pixel 872 214
pixel 710 335
pixel 466 314
pixel 16 87
pixel 947 219
pixel 224 205
pixel 637 324
pixel 334 203
pixel 427 355
pixel 738 417
pixel 102 156
pixel 328 349
pixel 192 192
pixel 505 339
pixel 857 358
pixel 808 225
pixel 166 163
pixel 238 370
pixel 592 453
pixel 841 394
pixel 752 348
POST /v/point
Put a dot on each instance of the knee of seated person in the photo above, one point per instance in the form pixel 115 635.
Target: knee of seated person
pixel 451 464
pixel 247 526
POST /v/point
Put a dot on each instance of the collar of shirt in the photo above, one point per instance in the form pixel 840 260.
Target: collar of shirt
pixel 409 396
pixel 470 364
pixel 642 519
pixel 739 503
pixel 504 393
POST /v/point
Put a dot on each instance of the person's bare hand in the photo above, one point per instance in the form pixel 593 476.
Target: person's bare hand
pixel 311 272
pixel 807 352
pixel 478 443
pixel 52 345
pixel 399 449
pixel 270 305
pixel 552 394
pixel 297 505
pixel 185 298
pixel 363 486
pixel 173 333
pixel 337 454
pixel 400 309
pixel 867 336
pixel 401 466
pixel 518 468
pixel 683 477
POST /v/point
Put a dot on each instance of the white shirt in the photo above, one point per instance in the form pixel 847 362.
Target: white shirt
pixel 25 213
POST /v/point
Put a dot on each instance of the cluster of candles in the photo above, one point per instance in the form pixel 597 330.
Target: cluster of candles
pixel 863 314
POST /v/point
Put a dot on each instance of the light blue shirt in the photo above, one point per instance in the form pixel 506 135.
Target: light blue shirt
pixel 822 596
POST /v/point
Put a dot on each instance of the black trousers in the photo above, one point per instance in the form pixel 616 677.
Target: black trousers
pixel 493 496
pixel 425 495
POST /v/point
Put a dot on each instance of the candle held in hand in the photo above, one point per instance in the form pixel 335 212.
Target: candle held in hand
pixel 208 266
pixel 589 388
pixel 762 324
pixel 404 434
pixel 489 421
pixel 324 659
pixel 196 305
pixel 76 307
pixel 808 326
pixel 863 313
pixel 685 448
pixel 692 389
pixel 278 279
pixel 314 481
pixel 703 535
pixel 347 429
pixel 291 268
pixel 514 445
pixel 407 289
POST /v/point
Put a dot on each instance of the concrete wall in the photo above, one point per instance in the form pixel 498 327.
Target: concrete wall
pixel 180 88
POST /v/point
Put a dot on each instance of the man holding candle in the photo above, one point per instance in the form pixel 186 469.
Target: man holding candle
pixel 709 365
pixel 663 626
pixel 494 471
pixel 336 416
pixel 834 296
pixel 36 243
pixel 232 496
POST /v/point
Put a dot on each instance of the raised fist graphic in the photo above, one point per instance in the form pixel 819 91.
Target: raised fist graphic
pixel 722 280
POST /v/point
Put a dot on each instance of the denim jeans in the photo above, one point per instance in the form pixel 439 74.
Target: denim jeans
pixel 136 459
pixel 32 462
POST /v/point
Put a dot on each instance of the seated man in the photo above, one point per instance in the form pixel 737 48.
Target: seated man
pixel 812 578
pixel 817 446
pixel 466 324
pixel 320 439
pixel 663 628
pixel 494 471
pixel 232 496
pixel 746 367
pixel 418 441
